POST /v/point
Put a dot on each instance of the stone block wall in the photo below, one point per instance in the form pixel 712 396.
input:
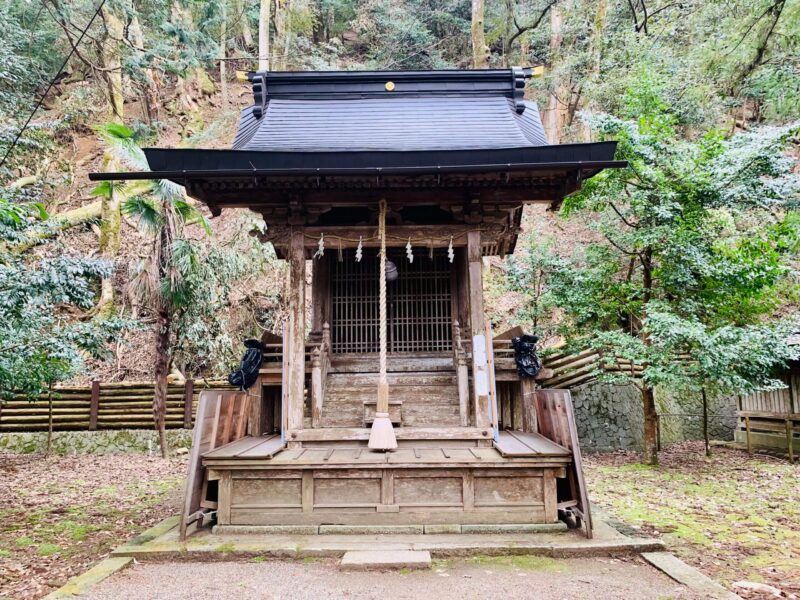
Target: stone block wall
pixel 610 417
pixel 94 442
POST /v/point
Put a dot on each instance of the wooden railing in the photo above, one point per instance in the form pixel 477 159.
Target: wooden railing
pixel 462 374
pixel 119 405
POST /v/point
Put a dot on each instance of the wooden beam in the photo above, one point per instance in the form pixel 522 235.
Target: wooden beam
pixel 437 236
pixel 297 330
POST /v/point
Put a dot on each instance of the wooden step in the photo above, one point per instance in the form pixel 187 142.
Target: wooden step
pixel 395 365
pixel 427 378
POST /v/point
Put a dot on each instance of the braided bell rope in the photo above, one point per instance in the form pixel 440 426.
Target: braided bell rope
pixel 382 299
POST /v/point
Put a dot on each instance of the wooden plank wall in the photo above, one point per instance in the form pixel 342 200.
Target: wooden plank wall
pixel 127 405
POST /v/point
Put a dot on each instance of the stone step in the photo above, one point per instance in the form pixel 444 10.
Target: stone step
pixel 370 560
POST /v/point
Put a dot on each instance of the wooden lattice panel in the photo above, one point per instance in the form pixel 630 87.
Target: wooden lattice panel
pixel 419 303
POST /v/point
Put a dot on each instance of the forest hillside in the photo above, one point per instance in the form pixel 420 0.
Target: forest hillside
pixel 704 97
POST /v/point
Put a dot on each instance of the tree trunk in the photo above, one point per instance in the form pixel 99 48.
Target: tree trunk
pixel 111 55
pixel 263 36
pixel 150 87
pixel 480 52
pixel 110 227
pixel 287 34
pixel 223 45
pixel 161 373
pixel 552 122
pixel 247 34
pixel 650 441
pixel 705 423
pixel 63 220
pixel 49 418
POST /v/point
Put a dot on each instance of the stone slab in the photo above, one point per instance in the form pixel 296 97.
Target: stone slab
pixel 688 576
pixel 371 560
pixel 442 528
pixel 370 529
pixel 512 528
pixel 80 584
pixel 265 529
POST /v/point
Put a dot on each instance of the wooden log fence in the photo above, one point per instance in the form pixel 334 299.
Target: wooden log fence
pixel 571 370
pixel 122 405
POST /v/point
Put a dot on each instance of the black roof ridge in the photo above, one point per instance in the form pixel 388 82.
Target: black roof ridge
pixel 600 144
pixel 509 83
pixel 428 74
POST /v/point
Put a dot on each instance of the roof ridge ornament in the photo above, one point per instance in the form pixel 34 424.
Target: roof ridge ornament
pixel 259 81
pixel 518 77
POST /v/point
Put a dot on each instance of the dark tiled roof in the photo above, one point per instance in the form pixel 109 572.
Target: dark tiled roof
pixel 404 123
pixel 354 111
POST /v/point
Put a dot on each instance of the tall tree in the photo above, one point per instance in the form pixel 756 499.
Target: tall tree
pixel 674 286
pixel 161 283
pixel 41 341
pixel 480 51
pixel 263 35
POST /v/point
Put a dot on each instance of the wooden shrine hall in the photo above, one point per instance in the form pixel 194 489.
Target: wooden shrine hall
pixel 387 399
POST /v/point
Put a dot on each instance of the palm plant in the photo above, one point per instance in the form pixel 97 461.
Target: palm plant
pixel 162 281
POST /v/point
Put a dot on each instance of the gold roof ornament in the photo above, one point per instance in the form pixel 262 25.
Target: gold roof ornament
pixel 389 86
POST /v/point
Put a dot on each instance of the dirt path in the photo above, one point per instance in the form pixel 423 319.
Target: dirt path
pixel 468 579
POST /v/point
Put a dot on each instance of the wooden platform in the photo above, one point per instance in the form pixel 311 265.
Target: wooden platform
pixel 520 443
pixel 455 482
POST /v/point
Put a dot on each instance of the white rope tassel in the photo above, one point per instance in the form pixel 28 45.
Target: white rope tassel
pixel 320 247
pixel 381 436
pixel 359 250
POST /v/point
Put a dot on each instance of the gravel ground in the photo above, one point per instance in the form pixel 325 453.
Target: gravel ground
pixel 479 578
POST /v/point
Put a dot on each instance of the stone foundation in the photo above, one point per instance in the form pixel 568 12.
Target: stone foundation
pixel 94 442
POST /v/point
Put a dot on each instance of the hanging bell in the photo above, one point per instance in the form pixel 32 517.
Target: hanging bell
pixel 391 271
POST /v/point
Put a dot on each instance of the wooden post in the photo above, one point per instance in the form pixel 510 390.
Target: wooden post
pixel 94 405
pixel 480 375
pixel 463 388
pixel 462 374
pixel 297 330
pixel 188 398
pixel 527 389
pixel 316 388
pixel 789 440
pixel 747 429
pixel 257 416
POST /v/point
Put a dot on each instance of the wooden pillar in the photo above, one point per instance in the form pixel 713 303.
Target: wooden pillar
pixel 527 389
pixel 297 330
pixel 480 371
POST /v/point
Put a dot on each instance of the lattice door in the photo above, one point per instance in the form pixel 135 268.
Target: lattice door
pixel 419 303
